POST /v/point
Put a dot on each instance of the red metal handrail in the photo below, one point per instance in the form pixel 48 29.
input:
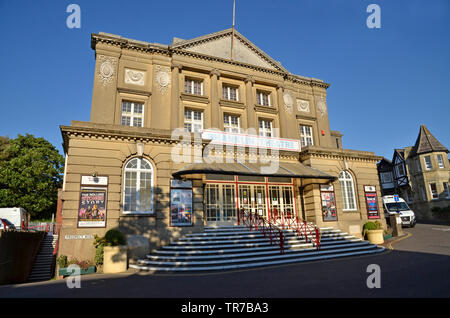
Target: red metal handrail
pixel 288 221
pixel 258 223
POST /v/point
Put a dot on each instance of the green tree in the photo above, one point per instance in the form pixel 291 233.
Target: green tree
pixel 4 146
pixel 30 176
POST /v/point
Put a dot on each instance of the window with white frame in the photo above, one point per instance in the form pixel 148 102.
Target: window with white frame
pixel 193 86
pixel 446 190
pixel 230 92
pixel 428 164
pixel 231 123
pixel 433 190
pixel 263 98
pixel 138 186
pixel 440 161
pixel 347 191
pixel 306 135
pixel 132 114
pixel 265 128
pixel 193 120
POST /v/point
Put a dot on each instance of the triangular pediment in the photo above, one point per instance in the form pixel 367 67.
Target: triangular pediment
pixel 219 45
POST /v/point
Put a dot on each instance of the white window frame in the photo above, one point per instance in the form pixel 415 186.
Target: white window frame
pixel 260 98
pixel 347 191
pixel 266 129
pixel 191 86
pixel 440 160
pixel 430 166
pixel 434 196
pixel 132 115
pixel 228 126
pixel 228 92
pixel 446 189
pixel 193 121
pixel 306 138
pixel 138 171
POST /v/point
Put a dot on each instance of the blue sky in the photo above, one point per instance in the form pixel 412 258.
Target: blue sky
pixel 384 82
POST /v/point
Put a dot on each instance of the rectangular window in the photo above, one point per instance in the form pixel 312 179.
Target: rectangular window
pixel 265 128
pixel 132 114
pixel 386 177
pixel 263 98
pixel 433 190
pixel 230 93
pixel 428 164
pixel 418 165
pixel 231 123
pixel 440 161
pixel 192 86
pixel 400 169
pixel 446 190
pixel 306 136
pixel 193 120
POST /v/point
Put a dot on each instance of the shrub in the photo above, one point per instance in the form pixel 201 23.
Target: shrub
pixel 62 261
pixel 115 238
pixel 371 226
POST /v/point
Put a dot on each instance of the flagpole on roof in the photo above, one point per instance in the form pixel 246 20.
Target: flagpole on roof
pixel 232 32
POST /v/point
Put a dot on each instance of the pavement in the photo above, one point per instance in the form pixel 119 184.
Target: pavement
pixel 414 265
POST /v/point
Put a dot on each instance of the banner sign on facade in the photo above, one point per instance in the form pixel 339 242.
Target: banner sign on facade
pixel 92 207
pixel 244 140
pixel 181 203
pixel 329 210
pixel 371 202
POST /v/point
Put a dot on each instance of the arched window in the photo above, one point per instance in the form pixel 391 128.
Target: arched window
pixel 347 190
pixel 138 186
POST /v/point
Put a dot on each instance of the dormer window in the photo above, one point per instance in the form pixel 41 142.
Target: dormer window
pixel 263 98
pixel 230 93
pixel 193 86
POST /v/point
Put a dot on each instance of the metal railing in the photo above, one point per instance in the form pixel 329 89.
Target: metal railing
pixel 258 223
pixel 309 231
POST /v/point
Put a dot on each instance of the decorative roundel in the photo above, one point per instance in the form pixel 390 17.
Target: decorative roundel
pixel 288 101
pixel 302 105
pixel 163 78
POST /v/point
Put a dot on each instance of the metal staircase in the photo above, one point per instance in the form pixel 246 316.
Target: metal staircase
pixel 237 247
pixel 43 265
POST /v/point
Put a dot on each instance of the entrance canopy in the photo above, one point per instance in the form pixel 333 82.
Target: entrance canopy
pixel 285 169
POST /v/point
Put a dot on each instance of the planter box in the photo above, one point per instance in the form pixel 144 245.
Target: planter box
pixel 115 259
pixel 375 236
pixel 387 236
pixel 65 271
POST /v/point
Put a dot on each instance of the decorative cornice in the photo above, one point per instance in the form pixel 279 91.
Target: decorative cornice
pixel 266 109
pixel 231 103
pixel 340 154
pixel 194 98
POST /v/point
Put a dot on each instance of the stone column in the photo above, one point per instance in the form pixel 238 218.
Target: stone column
pixel 215 109
pixel 175 120
pixel 250 103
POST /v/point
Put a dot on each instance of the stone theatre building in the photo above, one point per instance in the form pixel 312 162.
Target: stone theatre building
pixel 123 170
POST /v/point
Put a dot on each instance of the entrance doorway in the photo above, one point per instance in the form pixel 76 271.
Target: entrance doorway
pixel 253 198
pixel 221 205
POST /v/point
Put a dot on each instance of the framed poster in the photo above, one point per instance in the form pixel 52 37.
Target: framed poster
pixel 371 197
pixel 181 208
pixel 92 207
pixel 329 210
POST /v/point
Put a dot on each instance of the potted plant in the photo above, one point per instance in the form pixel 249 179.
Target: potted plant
pixel 374 232
pixel 86 267
pixel 112 252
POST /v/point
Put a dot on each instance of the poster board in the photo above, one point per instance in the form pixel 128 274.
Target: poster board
pixel 370 195
pixel 92 207
pixel 328 199
pixel 181 207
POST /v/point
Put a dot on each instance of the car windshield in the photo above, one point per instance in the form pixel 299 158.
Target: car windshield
pixel 397 206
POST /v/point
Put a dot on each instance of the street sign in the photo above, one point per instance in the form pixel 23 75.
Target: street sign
pixel 396 198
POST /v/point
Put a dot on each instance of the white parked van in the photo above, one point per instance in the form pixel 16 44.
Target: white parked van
pixel 392 207
pixel 17 216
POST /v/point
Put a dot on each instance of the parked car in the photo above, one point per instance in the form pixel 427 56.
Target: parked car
pixel 392 207
pixel 6 225
pixel 17 216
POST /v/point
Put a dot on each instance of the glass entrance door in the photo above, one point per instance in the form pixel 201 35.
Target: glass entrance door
pixel 220 204
pixel 253 198
pixel 281 203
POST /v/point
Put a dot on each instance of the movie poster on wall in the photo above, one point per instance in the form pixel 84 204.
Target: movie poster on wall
pixel 181 207
pixel 371 202
pixel 92 207
pixel 329 211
